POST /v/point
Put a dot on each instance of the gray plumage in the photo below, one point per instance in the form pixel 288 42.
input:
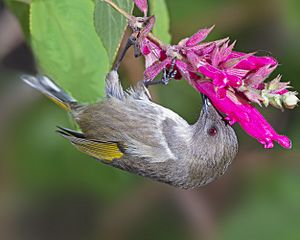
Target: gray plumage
pixel 155 141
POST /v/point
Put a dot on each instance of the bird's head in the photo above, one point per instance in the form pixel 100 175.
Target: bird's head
pixel 214 145
pixel 212 126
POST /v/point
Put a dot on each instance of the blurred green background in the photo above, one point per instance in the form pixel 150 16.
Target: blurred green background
pixel 49 190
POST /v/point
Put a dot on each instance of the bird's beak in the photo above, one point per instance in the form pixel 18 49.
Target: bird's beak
pixel 206 102
pixel 208 107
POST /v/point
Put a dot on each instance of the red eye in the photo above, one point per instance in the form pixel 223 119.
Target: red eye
pixel 212 131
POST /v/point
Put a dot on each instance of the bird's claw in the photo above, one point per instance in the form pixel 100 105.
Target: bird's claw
pixel 168 74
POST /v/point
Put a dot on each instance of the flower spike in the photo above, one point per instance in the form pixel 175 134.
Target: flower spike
pixel 232 80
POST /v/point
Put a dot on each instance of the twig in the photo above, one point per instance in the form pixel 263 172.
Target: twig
pixel 118 9
pixel 132 19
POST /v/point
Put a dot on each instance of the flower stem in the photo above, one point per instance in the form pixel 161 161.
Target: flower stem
pixel 130 18
pixel 118 9
pixel 157 41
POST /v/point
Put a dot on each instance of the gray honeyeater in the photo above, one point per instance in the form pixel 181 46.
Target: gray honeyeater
pixel 129 131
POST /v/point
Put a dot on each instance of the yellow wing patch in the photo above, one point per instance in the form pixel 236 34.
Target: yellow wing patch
pixel 61 104
pixel 102 150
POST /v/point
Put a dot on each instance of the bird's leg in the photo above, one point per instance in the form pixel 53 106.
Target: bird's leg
pixel 167 75
pixel 170 74
pixel 151 83
pixel 132 41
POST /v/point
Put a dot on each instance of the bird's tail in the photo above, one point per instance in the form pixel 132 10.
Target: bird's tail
pixel 50 90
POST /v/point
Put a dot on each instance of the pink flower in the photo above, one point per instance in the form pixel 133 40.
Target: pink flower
pixel 152 54
pixel 142 5
pixel 157 58
pixel 232 80
pixel 249 118
pixel 233 69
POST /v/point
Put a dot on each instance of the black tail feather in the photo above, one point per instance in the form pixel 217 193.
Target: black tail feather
pixel 69 132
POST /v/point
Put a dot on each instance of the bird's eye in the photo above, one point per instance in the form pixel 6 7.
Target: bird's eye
pixel 212 131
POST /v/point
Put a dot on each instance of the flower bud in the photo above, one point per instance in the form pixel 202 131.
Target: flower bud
pixel 275 101
pixel 266 101
pixel 290 100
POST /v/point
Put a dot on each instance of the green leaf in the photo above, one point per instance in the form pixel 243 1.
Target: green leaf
pixel 162 26
pixel 67 47
pixel 110 25
pixel 24 1
pixel 21 10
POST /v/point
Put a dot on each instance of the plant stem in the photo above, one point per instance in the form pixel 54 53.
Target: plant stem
pixel 131 18
pixel 118 9
pixel 157 41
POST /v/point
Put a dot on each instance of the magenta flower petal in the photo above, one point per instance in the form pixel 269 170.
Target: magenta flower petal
pixel 255 79
pixel 255 62
pixel 262 61
pixel 281 92
pixel 221 92
pixel 221 53
pixel 234 81
pixel 195 59
pixel 245 114
pixel 216 57
pixel 220 81
pixel 230 120
pixel 204 49
pixel 213 73
pixel 226 49
pixel 241 73
pixel 147 29
pixel 151 52
pixel 145 49
pixel 232 62
pixel 152 71
pixel 198 37
pixel 183 69
pixel 142 5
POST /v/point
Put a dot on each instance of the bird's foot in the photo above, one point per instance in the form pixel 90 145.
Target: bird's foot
pixel 168 74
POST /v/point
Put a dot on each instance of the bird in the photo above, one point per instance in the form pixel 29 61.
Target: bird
pixel 129 131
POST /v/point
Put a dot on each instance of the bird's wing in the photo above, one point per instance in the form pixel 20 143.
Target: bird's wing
pixel 107 151
pixel 137 123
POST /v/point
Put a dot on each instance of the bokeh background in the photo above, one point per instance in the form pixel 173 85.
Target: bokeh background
pixel 48 190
